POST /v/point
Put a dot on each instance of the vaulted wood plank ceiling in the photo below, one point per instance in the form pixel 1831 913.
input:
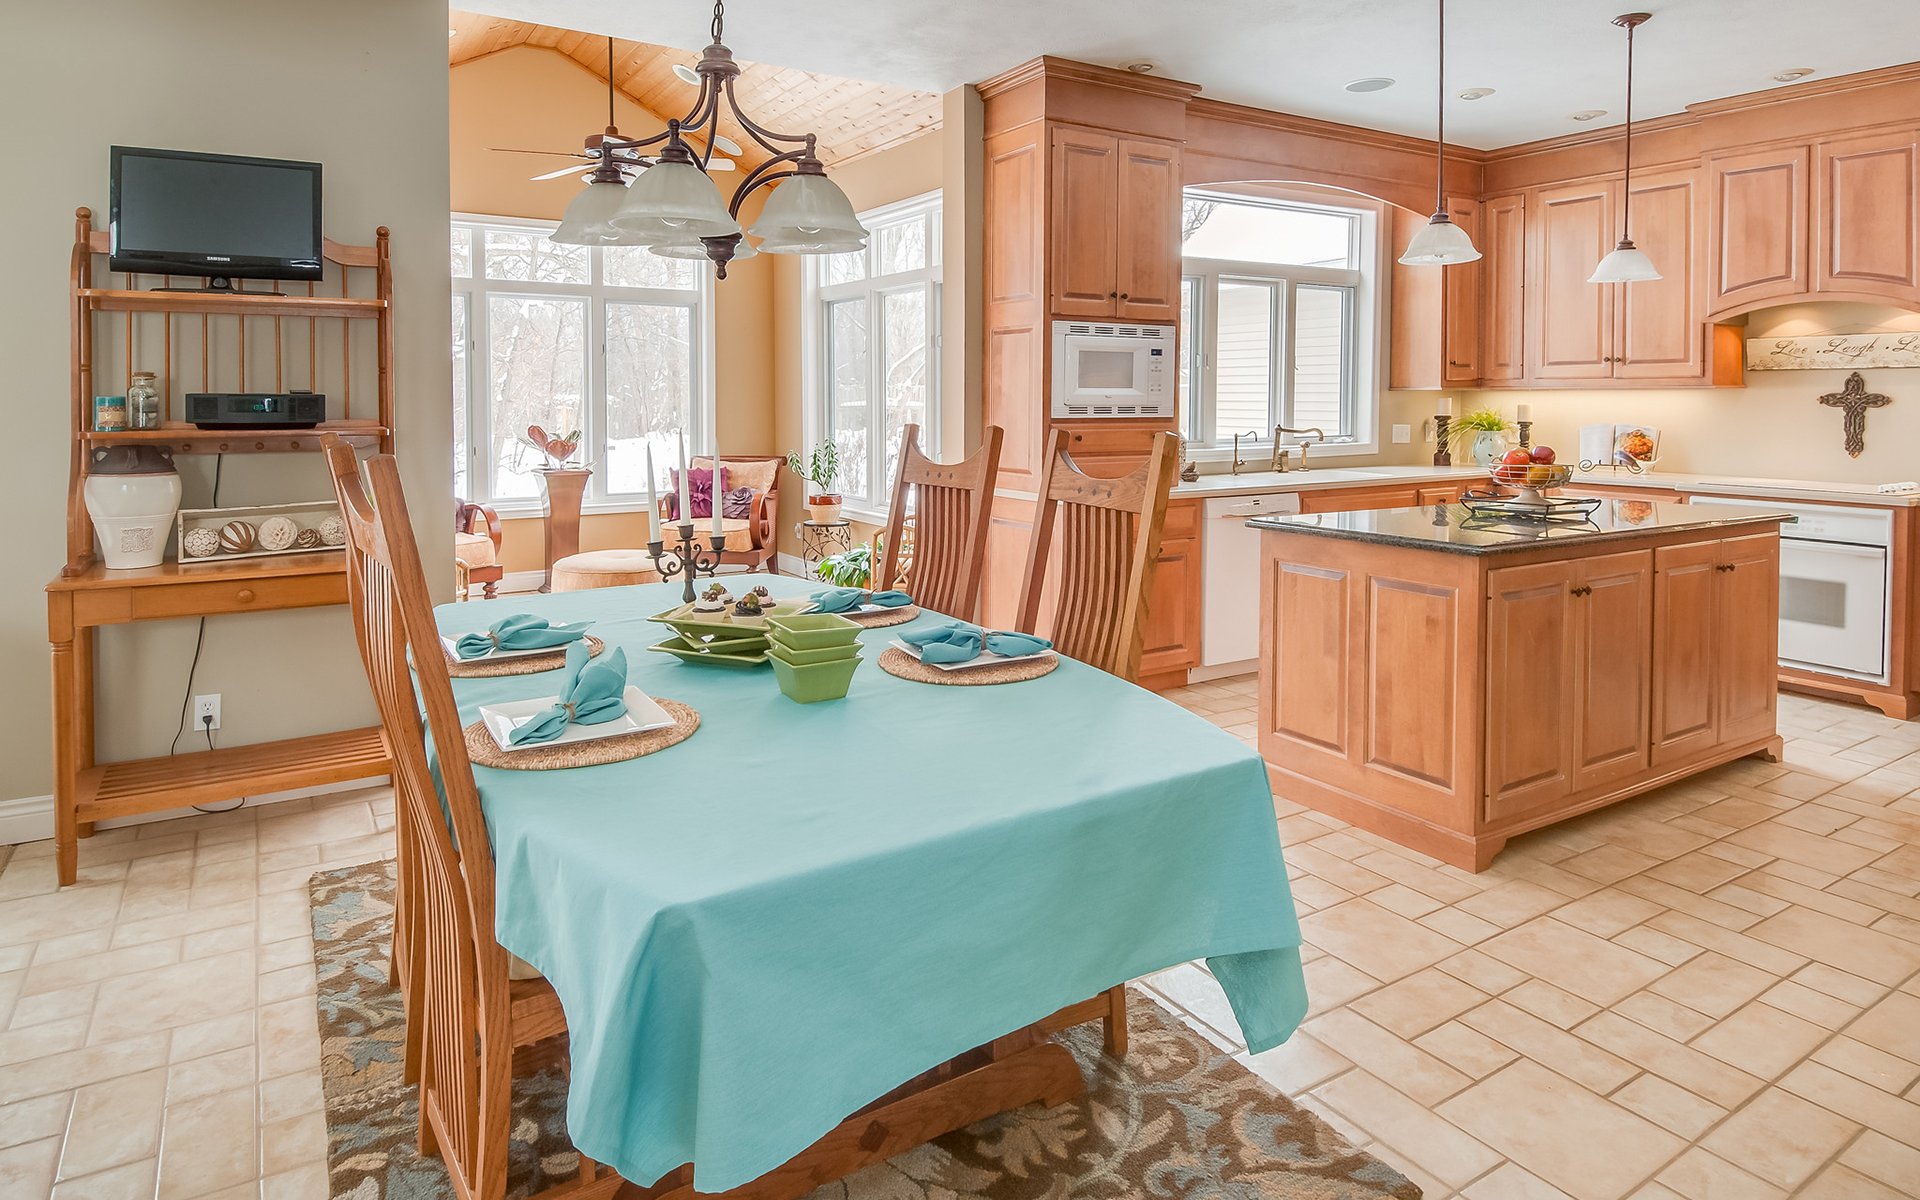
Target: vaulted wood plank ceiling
pixel 851 117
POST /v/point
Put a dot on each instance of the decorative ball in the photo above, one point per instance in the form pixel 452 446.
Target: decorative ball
pixel 277 533
pixel 199 543
pixel 333 532
pixel 307 539
pixel 236 537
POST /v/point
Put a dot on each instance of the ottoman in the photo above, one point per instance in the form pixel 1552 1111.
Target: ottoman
pixel 603 568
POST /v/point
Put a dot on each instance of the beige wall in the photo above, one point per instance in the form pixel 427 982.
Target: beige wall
pixel 540 99
pixel 366 96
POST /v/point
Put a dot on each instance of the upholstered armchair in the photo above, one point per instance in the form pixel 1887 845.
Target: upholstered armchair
pixel 751 540
pixel 476 548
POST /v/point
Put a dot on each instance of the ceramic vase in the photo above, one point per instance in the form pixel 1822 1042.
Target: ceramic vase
pixel 132 494
pixel 1487 447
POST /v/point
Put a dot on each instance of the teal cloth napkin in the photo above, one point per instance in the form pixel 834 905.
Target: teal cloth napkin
pixel 958 642
pixel 835 600
pixel 522 631
pixel 592 693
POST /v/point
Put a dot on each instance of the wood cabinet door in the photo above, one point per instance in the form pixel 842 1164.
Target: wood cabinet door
pixel 1080 227
pixel 1172 634
pixel 1662 335
pixel 1354 499
pixel 1531 704
pixel 1148 230
pixel 1463 302
pixel 1757 225
pixel 1574 229
pixel 1749 637
pixel 1503 275
pixel 1686 610
pixel 1866 215
pixel 1612 660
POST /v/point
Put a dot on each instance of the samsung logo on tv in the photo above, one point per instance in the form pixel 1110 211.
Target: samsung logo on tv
pixel 219 258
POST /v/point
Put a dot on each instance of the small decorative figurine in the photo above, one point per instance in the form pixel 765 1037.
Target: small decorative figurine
pixel 307 539
pixel 1854 399
pixel 277 533
pixel 333 531
pixel 199 543
pixel 236 537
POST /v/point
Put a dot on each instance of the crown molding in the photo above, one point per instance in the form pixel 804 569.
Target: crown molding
pixel 1279 122
pixel 1048 66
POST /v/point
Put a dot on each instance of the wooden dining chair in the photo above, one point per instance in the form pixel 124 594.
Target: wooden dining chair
pixel 470 1015
pixel 1109 541
pixel 951 504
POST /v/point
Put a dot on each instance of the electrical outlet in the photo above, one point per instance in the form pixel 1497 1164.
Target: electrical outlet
pixel 206 711
pixel 1402 434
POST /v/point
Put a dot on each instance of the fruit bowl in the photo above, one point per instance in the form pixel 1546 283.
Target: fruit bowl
pixel 1530 479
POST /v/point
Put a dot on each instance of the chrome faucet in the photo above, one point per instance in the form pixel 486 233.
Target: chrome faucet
pixel 1279 454
pixel 1252 435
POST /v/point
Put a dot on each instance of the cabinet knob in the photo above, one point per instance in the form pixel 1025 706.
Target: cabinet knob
pixel 244 595
pixel 1124 296
pixel 1113 295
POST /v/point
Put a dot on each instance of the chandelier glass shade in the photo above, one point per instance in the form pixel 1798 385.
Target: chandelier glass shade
pixel 808 209
pixel 589 218
pixel 671 201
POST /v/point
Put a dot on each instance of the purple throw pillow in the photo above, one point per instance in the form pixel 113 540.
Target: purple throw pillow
pixel 737 504
pixel 700 491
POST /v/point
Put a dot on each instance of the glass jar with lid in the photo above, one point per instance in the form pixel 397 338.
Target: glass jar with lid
pixel 143 401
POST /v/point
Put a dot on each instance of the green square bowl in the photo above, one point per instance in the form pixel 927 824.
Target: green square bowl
pixel 687 651
pixel 814 682
pixel 808 658
pixel 812 631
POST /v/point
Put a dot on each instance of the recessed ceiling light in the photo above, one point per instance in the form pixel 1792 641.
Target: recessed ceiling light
pixel 1476 93
pixel 1587 114
pixel 1793 73
pixel 1142 67
pixel 687 74
pixel 1372 83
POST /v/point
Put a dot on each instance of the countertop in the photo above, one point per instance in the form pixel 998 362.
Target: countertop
pixel 1453 529
pixel 1254 483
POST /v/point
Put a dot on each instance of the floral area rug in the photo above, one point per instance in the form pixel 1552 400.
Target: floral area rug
pixel 1176 1118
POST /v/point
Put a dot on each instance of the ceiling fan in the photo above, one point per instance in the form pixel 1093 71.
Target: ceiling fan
pixel 593 152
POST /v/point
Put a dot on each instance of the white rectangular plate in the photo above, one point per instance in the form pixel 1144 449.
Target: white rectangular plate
pixel 642 714
pixel 453 652
pixel 987 657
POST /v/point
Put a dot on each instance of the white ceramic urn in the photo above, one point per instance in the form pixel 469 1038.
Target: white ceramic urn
pixel 132 493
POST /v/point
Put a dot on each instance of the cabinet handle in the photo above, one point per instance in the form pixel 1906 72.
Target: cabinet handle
pixel 1124 296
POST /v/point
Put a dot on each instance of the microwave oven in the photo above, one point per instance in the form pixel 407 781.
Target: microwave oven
pixel 1112 370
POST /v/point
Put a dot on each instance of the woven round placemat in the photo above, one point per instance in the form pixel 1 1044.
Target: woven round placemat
pixel 898 662
pixel 519 664
pixel 884 617
pixel 485 752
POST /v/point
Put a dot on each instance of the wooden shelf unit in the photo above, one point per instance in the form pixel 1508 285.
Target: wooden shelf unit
pixel 86 595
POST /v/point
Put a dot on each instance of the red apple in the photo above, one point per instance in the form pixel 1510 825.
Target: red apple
pixel 1517 457
pixel 1543 455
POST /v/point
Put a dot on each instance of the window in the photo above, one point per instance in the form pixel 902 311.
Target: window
pixel 613 341
pixel 873 339
pixel 1277 319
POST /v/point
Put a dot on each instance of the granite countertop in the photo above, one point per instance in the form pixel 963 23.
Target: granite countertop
pixel 1255 483
pixel 1453 529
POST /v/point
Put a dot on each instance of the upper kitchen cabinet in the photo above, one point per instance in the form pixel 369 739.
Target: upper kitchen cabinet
pixel 1866 215
pixel 1573 335
pixel 1758 217
pixel 1116 226
pixel 1437 311
pixel 1662 334
pixel 1503 276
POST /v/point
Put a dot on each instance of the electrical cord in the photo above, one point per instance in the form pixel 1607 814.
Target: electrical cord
pixel 199 640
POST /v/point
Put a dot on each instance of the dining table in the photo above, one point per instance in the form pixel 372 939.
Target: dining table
pixel 761 929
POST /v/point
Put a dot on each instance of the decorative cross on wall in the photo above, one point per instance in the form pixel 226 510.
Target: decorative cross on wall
pixel 1855 400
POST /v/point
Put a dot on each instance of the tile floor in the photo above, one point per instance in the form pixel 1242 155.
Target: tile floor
pixel 1712 992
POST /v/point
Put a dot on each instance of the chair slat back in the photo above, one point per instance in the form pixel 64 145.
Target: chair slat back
pixel 446 866
pixel 1109 532
pixel 952 503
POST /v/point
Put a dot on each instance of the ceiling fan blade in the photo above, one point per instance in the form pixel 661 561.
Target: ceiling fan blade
pixel 728 144
pixel 573 170
pixel 721 164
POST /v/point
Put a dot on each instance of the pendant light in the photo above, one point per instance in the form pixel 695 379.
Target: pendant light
pixel 1627 263
pixel 589 217
pixel 1441 242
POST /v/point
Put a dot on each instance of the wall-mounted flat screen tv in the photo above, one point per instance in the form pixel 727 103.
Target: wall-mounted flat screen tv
pixel 214 215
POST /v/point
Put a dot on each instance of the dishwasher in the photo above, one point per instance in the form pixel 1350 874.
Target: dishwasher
pixel 1230 576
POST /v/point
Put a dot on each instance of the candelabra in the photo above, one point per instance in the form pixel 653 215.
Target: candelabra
pixel 685 558
pixel 1526 434
pixel 1442 457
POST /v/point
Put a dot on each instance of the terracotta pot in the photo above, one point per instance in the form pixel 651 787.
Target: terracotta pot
pixel 825 510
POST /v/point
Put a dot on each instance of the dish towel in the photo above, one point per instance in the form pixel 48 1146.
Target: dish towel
pixel 522 631
pixel 593 692
pixel 836 600
pixel 959 642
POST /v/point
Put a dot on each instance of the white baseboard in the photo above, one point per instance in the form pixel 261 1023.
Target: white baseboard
pixel 30 818
pixel 1223 671
pixel 792 564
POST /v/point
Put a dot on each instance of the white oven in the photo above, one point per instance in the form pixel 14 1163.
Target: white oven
pixel 1102 369
pixel 1835 586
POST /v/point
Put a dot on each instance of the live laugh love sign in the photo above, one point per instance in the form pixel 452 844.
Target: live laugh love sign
pixel 1854 350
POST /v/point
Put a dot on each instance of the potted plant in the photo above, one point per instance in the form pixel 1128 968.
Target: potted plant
pixel 852 569
pixel 821 470
pixel 1480 435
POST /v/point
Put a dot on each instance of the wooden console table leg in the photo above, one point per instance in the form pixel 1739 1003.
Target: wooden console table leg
pixel 564 491
pixel 72 728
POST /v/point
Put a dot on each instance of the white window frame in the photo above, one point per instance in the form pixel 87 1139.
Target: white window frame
pixel 816 363
pixel 474 290
pixel 1365 368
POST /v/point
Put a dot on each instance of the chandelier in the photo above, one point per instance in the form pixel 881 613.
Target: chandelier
pixel 672 206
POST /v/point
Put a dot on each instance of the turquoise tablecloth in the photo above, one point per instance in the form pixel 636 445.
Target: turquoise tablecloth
pixel 766 927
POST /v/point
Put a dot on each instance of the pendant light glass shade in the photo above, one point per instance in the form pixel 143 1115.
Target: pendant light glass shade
pixel 589 218
pixel 1440 243
pixel 1626 264
pixel 672 201
pixel 808 214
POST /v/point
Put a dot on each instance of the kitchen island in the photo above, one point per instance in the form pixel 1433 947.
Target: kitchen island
pixel 1448 680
